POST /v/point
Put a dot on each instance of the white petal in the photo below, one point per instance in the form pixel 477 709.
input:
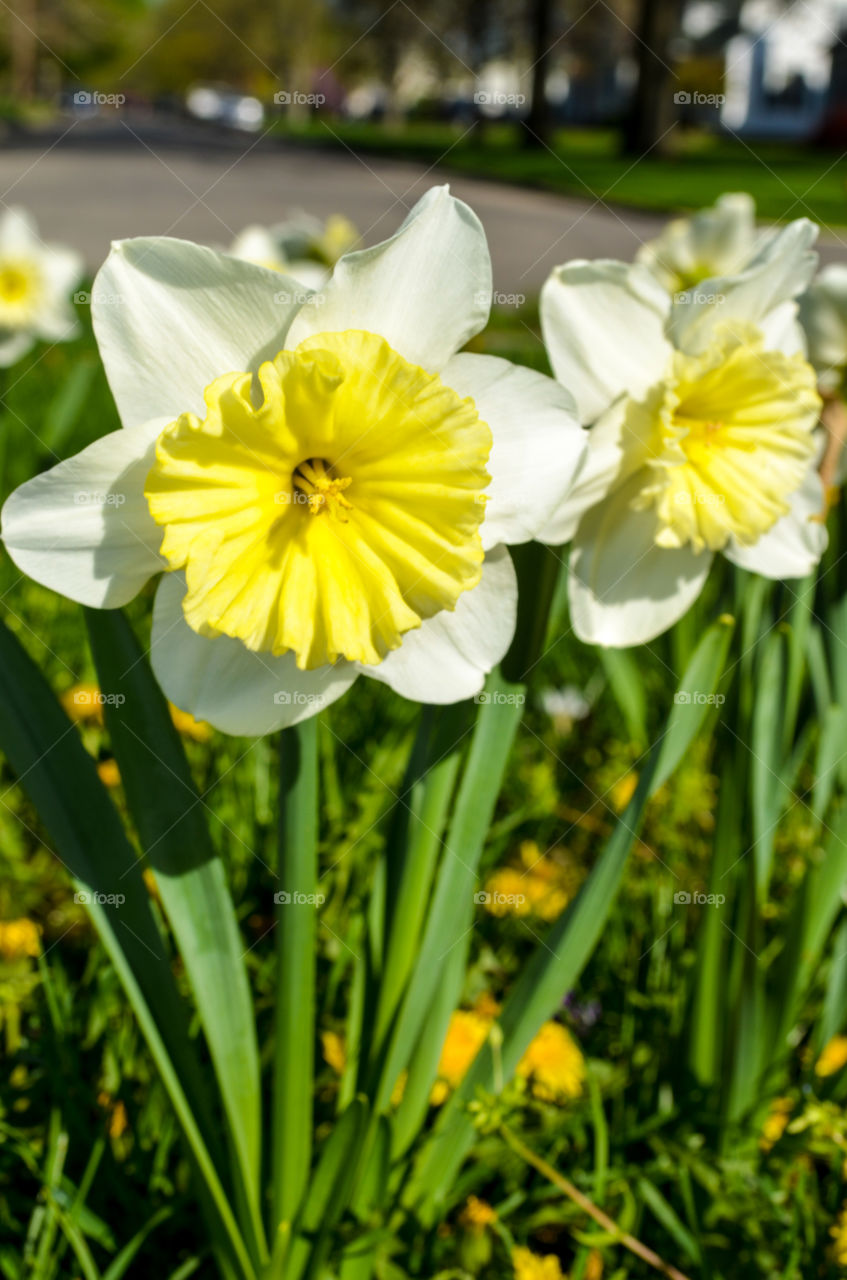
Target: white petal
pixel 83 527
pixel 603 326
pixel 221 681
pixel 618 444
pixel 779 272
pixel 623 589
pixel 449 656
pixel 795 544
pixel 427 290
pixel 721 239
pixel 823 314
pixel 538 445
pixel 172 316
pixel 18 233
pixel 13 346
pixel 783 332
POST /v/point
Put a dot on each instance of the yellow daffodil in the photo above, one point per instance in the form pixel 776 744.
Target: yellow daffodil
pixel 36 281
pixel 327 485
pixel 702 410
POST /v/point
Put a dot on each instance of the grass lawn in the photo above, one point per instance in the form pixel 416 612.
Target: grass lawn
pixel 787 181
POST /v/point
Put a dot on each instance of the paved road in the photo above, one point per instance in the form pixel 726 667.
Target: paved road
pixel 97 182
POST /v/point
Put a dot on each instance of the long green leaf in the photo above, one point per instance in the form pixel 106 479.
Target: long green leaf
pixel 43 748
pixel 191 881
pixel 451 910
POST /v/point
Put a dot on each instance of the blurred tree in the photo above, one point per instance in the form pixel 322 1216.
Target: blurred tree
pixel 651 115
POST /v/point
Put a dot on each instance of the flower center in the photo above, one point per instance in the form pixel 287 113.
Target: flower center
pixel 731 440
pixel 322 491
pixel 18 288
pixel 254 506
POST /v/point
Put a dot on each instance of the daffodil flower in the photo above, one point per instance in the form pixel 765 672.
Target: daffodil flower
pixel 36 281
pixel 702 413
pixel 302 247
pixel 712 242
pixel 328 487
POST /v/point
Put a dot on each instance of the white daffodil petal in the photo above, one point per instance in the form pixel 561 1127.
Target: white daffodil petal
pixel 795 544
pixel 426 290
pixel 83 528
pixel 170 317
pixel 618 444
pixel 603 325
pixel 223 682
pixel 448 658
pixel 13 346
pixel 538 445
pixel 623 589
pixel 823 314
pixel 710 242
pixel 18 233
pixel 779 272
pixel 782 330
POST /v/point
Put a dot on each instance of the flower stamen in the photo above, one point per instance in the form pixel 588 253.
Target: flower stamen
pixel 323 491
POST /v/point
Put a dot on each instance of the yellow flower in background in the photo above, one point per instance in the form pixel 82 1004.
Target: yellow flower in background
pixel 553 1064
pixel 466 1035
pixel 539 886
pixel 334 1051
pixel 108 772
pixel 833 1057
pixel 776 1122
pixel 535 1266
pixel 623 791
pixel 185 724
pixel 83 703
pixel 19 938
pixel 477 1215
pixel 36 280
pixel 838 1231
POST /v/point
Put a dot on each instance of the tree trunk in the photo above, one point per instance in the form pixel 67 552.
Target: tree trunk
pixel 652 110
pixel 537 129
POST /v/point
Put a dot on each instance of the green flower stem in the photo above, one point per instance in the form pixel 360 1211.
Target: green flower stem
pixel 296 916
pixel 602 1219
pixel 538 568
